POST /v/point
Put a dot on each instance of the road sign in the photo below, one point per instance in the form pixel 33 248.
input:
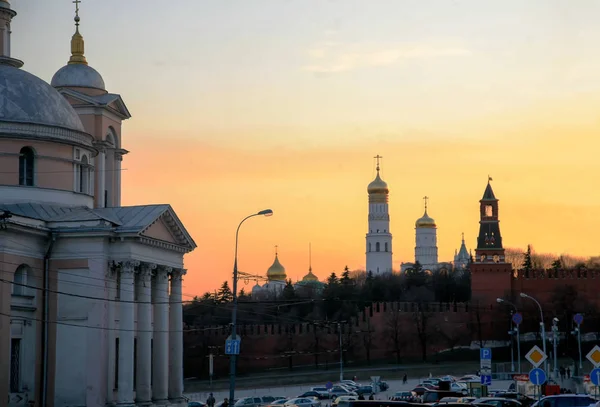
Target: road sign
pixel 594 356
pixel 595 376
pixel 485 364
pixel 232 347
pixel 329 386
pixel 517 318
pixel 536 356
pixel 578 319
pixel 537 376
pixel 486 380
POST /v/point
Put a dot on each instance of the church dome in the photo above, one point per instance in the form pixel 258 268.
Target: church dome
pixel 378 186
pixel 425 221
pixel 276 271
pixel 78 76
pixel 310 277
pixel 26 99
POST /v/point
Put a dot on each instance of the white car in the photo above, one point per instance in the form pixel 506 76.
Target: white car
pixel 303 402
pixel 459 388
pixel 350 383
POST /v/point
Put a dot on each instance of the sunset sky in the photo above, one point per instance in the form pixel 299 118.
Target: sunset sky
pixel 242 105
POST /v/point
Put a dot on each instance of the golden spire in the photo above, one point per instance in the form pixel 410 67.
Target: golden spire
pixel 77 45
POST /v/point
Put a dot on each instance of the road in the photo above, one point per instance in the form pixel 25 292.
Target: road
pixel 296 390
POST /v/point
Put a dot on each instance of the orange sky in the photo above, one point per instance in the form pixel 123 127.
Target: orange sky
pixel 543 163
pixel 284 105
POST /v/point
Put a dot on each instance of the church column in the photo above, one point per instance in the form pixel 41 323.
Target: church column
pixel 112 333
pixel 160 356
pixel 176 336
pixel 101 160
pixel 126 333
pixel 117 187
pixel 143 388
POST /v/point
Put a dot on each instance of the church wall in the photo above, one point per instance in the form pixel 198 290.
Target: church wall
pixel 145 253
pixel 543 285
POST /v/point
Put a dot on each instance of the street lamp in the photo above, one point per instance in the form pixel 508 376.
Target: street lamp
pixel 232 360
pixel 512 332
pixel 523 295
pixel 555 332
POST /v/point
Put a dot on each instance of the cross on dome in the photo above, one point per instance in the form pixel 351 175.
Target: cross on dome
pixel 76 2
pixel 276 250
pixel 425 198
pixel 377 157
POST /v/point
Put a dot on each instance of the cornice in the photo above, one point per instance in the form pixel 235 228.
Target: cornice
pixel 163 245
pixel 45 133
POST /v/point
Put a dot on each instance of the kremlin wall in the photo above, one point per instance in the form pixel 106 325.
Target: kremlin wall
pixel 402 332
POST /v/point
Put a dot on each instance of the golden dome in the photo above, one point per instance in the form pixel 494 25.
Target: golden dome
pixel 276 271
pixel 425 221
pixel 378 186
pixel 310 277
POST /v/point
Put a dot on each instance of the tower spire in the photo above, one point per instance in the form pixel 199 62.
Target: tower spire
pixel 425 199
pixel 309 259
pixel 77 43
pixel 276 250
pixel 463 237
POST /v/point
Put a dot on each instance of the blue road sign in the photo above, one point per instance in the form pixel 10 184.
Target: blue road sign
pixel 485 354
pixel 595 376
pixel 517 318
pixel 578 318
pixel 537 376
pixel 486 380
pixel 232 347
pixel 329 386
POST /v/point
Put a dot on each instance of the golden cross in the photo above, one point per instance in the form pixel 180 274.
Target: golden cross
pixel 76 2
pixel 425 198
pixel 377 157
pixel 276 250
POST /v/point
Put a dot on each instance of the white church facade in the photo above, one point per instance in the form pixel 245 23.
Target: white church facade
pixel 90 291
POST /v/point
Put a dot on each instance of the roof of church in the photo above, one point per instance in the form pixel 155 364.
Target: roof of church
pixel 124 219
pixel 488 194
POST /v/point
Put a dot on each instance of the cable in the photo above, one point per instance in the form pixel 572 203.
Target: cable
pixel 13 317
pixel 63 171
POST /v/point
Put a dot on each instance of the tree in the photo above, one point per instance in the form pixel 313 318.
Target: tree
pixel 527 262
pixel 288 292
pixel 395 332
pixel 367 339
pixel 422 317
pixel 224 294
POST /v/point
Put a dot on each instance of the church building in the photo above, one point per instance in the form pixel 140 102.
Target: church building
pixel 379 237
pixel 90 290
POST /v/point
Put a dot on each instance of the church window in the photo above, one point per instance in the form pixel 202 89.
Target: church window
pixel 15 365
pixel 369 246
pixel 377 230
pixel 19 280
pixel 377 248
pixel 26 166
pixel 116 386
pixel 489 211
pixel 84 175
pixel 386 247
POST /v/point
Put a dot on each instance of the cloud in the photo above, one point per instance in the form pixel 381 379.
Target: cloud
pixel 330 56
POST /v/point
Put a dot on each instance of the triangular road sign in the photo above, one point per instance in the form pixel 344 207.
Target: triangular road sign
pixel 536 356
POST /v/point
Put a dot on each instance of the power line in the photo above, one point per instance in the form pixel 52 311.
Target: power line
pixel 62 171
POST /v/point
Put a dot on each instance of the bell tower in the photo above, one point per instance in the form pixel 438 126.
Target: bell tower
pixel 490 273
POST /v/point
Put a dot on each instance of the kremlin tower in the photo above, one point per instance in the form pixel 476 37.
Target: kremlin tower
pixel 379 238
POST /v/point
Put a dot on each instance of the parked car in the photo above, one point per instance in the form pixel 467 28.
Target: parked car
pixel 343 401
pixel 315 394
pixel 434 396
pixel 420 389
pixel 365 390
pixel 220 403
pixel 322 391
pixel 499 402
pixel 560 400
pixel 255 401
pixel 342 391
pixel 350 383
pixel 409 396
pixel 196 404
pixel 278 402
pixel 380 385
pixel 303 402
pixel 457 387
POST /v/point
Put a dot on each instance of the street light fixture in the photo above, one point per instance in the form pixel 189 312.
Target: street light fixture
pixel 232 361
pixel 523 295
pixel 512 332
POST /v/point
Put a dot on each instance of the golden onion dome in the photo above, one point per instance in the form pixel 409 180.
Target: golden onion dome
pixel 276 271
pixel 310 277
pixel 378 186
pixel 425 221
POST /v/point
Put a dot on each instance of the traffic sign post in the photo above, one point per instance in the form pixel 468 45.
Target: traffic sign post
pixel 485 363
pixel 578 319
pixel 536 356
pixel 517 320
pixel 232 346
pixel 595 376
pixel 537 376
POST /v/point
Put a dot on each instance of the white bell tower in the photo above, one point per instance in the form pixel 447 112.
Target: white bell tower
pixel 379 237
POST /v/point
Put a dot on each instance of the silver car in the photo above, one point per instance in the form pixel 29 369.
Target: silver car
pixel 303 402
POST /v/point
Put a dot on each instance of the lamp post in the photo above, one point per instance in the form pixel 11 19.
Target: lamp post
pixel 555 336
pixel 512 332
pixel 577 331
pixel 523 295
pixel 232 360
pixel 341 353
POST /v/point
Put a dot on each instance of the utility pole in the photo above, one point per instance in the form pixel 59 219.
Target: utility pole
pixel 555 332
pixel 341 352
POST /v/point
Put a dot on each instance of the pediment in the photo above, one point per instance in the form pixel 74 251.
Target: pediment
pixel 161 231
pixel 109 101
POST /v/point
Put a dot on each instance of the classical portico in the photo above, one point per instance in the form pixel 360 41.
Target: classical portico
pixel 151 345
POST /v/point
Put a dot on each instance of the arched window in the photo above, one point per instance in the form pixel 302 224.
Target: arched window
pixel 19 280
pixel 26 166
pixel 84 175
pixel 386 247
pixel 377 246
